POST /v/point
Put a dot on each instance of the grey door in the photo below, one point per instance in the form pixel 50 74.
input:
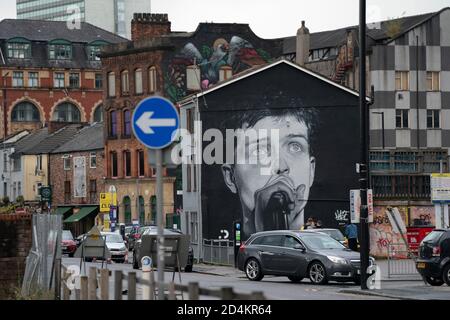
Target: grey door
pixel 270 250
pixel 294 261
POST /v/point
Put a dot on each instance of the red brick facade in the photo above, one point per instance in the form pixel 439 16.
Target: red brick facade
pixel 146 26
pixel 60 178
pixel 46 98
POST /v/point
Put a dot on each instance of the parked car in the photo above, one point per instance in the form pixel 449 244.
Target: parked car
pixel 434 257
pixel 336 234
pixel 298 255
pixel 116 245
pixel 79 240
pixel 68 244
pixel 153 230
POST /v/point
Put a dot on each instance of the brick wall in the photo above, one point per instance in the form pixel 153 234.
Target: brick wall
pixel 145 26
pixel 15 244
pixel 58 176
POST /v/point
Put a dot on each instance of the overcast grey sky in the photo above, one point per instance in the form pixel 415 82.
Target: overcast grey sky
pixel 275 18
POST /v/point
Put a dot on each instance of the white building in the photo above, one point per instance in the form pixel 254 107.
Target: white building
pixel 111 15
pixel 11 171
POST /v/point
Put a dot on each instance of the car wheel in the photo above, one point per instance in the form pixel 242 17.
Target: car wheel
pixel 253 270
pixel 446 274
pixel 295 279
pixel 317 273
pixel 188 268
pixel 435 282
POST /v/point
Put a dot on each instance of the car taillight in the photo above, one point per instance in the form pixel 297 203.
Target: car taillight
pixel 436 251
pixel 242 248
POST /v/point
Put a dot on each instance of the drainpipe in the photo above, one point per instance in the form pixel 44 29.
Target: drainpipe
pixel 5 107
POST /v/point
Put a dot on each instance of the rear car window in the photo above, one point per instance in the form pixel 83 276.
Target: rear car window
pixel 433 237
pixel 276 241
pixel 67 235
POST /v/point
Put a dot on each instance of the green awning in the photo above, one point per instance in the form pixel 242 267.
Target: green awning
pixel 83 213
pixel 63 210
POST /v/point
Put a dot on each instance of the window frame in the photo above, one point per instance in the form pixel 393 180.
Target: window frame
pixel 18 82
pixel 17 47
pixel 127 123
pixel 76 85
pixel 114 164
pixel 57 80
pixel 93 156
pixel 111 84
pixel 433 113
pixel 60 50
pixel 25 107
pixel 33 82
pixel 152 79
pixel 125 82
pixel 127 167
pixel 98 79
pixel 402 118
pixel 435 78
pixel 113 128
pixel 67 166
pixel 138 84
pixel 404 78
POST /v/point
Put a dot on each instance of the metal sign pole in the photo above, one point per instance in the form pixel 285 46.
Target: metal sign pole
pixel 160 217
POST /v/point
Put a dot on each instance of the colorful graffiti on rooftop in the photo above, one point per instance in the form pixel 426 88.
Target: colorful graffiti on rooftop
pixel 237 54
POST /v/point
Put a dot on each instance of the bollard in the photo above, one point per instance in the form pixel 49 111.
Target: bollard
pixel 172 295
pixel 104 284
pixel 227 293
pixel 152 286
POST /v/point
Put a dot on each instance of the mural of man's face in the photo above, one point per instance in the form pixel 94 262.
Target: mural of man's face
pixel 276 200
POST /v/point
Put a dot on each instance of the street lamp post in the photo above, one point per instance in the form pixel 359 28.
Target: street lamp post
pixel 382 126
pixel 364 136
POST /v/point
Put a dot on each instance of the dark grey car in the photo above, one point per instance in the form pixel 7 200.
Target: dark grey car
pixel 298 255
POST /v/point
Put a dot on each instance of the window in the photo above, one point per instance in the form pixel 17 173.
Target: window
pixel 127 123
pixel 25 112
pixel 127 163
pixel 19 188
pixel 402 119
pixel 114 170
pixel 93 190
pixel 225 73
pixel 19 50
pixel 66 112
pixel 67 192
pixel 93 160
pixel 433 119
pixel 433 81
pixel 58 80
pixel 125 81
pixel 60 50
pixel 113 124
pixel 33 79
pixel 276 241
pixel 5 161
pixel 98 81
pixel 17 163
pixel 141 163
pixel 290 242
pixel 38 163
pixel 74 80
pixel 152 79
pixel 17 79
pixel 111 84
pixel 98 114
pixel 5 189
pixel 138 81
pixel 66 159
pixel 401 80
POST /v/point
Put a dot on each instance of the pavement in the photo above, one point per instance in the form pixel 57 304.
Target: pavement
pixel 403 287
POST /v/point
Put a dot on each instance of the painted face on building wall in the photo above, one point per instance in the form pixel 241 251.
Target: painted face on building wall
pixel 273 190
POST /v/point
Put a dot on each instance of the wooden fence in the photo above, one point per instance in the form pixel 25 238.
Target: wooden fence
pixel 95 286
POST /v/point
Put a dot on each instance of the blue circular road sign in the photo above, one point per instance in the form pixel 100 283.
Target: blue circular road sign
pixel 155 122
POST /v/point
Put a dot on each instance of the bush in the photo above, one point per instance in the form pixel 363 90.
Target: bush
pixel 6 201
pixel 20 200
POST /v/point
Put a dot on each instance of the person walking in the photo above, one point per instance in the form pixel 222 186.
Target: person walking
pixel 351 233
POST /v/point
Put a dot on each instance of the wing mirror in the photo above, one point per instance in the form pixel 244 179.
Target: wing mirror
pixel 299 247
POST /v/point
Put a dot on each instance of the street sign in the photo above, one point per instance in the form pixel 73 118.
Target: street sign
pixel 355 205
pixel 155 122
pixel 146 264
pixel 46 193
pixel 105 202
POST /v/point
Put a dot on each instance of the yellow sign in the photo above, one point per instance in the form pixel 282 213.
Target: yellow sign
pixel 106 200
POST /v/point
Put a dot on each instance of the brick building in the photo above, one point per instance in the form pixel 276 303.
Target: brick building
pixel 50 73
pixel 170 64
pixel 77 179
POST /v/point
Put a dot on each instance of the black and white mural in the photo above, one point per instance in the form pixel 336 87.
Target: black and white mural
pixel 299 145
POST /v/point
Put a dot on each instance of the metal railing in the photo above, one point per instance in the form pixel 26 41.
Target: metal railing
pixel 401 260
pixel 218 251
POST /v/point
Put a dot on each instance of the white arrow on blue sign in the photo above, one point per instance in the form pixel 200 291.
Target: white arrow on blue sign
pixel 155 122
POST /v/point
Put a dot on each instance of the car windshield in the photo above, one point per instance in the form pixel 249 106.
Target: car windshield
pixel 316 242
pixel 67 235
pixel 433 237
pixel 335 234
pixel 113 238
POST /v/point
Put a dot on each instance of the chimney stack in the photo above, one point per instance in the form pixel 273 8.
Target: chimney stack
pixel 303 45
pixel 149 25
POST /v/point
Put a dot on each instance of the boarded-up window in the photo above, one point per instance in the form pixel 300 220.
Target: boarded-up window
pixel 79 177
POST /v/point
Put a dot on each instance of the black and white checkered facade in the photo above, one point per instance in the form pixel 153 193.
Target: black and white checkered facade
pixel 401 55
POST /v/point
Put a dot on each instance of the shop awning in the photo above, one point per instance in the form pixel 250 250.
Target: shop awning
pixel 63 210
pixel 83 213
